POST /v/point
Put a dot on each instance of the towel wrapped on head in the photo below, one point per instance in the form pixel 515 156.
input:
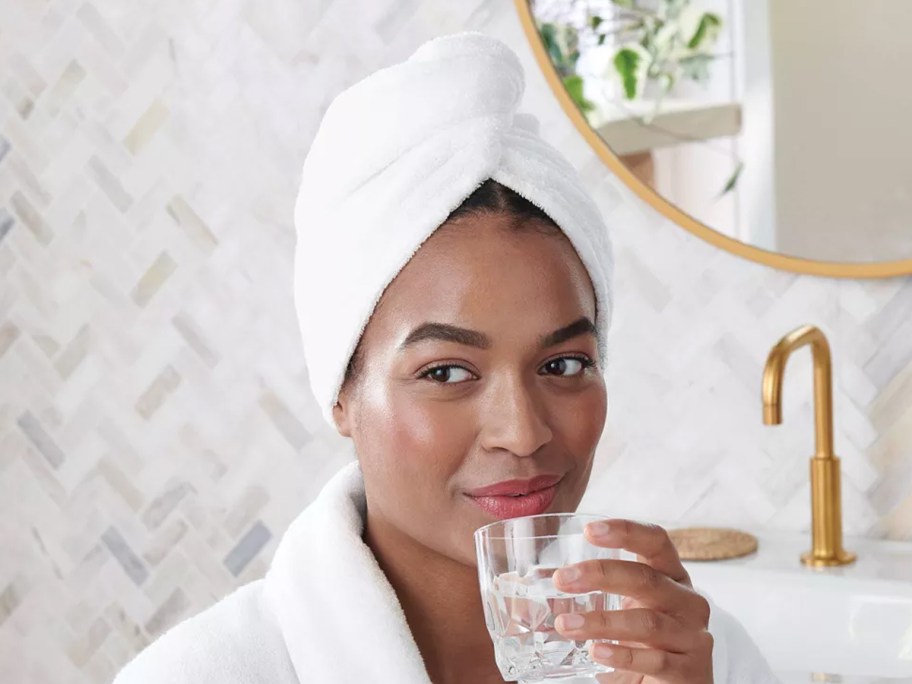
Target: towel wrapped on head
pixel 397 152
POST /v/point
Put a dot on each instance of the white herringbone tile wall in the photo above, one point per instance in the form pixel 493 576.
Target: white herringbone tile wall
pixel 156 430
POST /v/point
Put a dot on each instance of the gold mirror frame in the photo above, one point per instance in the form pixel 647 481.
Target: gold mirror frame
pixel 884 269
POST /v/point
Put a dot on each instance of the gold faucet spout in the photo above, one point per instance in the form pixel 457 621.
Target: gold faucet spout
pixel 823 386
pixel 826 504
pixel 772 413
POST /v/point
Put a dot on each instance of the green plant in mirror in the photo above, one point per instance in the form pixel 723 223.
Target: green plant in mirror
pixel 653 45
pixel 562 43
pixel 661 42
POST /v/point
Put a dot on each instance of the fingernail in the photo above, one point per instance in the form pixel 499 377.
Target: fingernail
pixel 600 529
pixel 569 621
pixel 568 574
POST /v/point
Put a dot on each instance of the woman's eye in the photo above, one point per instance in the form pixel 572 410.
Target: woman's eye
pixel 444 375
pixel 562 365
pixel 566 366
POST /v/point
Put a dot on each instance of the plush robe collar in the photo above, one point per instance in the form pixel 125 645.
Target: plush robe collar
pixel 339 615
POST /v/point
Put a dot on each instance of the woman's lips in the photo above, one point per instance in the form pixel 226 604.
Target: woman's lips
pixel 503 507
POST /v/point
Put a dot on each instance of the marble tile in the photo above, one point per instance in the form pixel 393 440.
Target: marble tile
pixel 168 614
pixel 249 545
pixel 150 282
pixel 124 555
pixel 41 440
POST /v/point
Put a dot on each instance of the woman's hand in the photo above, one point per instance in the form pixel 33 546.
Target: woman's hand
pixel 662 628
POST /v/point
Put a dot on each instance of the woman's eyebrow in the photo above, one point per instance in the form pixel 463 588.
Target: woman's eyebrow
pixel 579 327
pixel 473 338
pixel 448 333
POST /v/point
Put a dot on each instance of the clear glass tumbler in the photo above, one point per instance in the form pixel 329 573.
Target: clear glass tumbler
pixel 516 559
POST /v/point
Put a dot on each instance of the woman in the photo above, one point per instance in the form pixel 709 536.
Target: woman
pixel 455 331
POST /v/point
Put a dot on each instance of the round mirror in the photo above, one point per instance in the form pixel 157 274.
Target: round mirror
pixel 775 129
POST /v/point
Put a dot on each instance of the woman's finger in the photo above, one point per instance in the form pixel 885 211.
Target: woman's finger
pixel 619 677
pixel 669 668
pixel 641 625
pixel 651 588
pixel 650 542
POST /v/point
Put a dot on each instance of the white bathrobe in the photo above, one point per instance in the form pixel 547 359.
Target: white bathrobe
pixel 326 614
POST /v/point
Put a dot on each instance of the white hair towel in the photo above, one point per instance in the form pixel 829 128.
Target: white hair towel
pixel 394 154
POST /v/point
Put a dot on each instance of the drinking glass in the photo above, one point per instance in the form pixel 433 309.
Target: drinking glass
pixel 516 559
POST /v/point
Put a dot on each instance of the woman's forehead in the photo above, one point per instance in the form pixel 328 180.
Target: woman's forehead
pixel 481 250
pixel 492 282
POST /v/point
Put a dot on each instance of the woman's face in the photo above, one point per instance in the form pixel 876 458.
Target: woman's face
pixel 499 405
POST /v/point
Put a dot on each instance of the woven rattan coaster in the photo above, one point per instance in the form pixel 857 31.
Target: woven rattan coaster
pixel 712 543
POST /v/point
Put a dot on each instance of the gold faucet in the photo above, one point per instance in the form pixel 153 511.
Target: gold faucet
pixel 826 502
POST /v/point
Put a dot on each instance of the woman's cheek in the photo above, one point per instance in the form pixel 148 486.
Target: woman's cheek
pixel 596 409
pixel 431 429
pixel 584 418
pixel 416 427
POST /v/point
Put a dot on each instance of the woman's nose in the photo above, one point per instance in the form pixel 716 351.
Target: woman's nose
pixel 514 419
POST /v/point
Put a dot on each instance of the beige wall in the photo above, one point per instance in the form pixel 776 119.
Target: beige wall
pixel 843 139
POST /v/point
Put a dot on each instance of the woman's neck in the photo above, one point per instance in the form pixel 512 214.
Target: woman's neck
pixel 441 602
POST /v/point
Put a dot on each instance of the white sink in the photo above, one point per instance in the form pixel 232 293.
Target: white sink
pixel 851 624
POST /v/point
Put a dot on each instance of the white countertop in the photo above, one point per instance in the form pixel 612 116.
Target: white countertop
pixel 781 551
